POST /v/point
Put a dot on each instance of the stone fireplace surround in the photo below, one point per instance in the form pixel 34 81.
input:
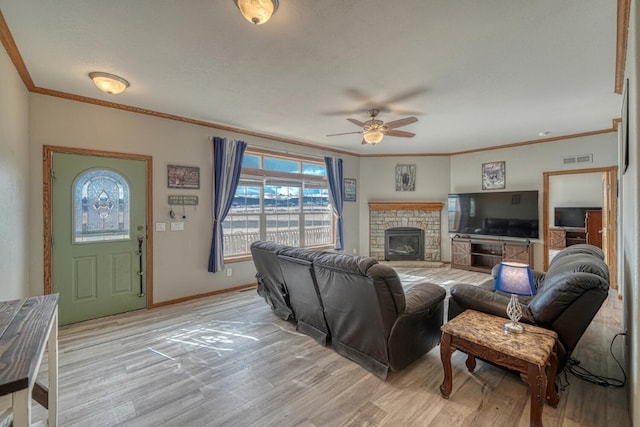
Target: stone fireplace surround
pixel 386 215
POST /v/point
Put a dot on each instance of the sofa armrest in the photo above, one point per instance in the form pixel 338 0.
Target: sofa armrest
pixel 421 296
pixel 470 297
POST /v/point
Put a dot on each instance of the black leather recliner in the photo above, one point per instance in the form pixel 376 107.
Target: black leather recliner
pixel 271 284
pixel 568 296
pixel 298 273
pixel 374 320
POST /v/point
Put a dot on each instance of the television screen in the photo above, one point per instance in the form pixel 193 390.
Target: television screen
pixel 505 213
pixel 571 216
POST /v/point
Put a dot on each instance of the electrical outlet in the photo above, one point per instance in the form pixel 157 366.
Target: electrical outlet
pixel 229 272
pixel 355 251
pixel 161 226
pixel 177 226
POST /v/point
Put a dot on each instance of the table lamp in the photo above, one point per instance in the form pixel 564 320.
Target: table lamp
pixel 516 279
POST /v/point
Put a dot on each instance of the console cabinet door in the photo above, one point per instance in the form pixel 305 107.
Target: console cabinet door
pixel 557 238
pixel 461 253
pixel 517 253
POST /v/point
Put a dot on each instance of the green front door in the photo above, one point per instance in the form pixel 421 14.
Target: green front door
pixel 99 235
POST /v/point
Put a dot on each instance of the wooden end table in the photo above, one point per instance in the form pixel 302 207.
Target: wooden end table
pixel 27 327
pixel 532 353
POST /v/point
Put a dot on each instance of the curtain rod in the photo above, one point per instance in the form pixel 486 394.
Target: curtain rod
pixel 275 151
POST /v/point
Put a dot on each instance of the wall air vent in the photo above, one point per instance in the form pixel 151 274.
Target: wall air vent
pixel 573 160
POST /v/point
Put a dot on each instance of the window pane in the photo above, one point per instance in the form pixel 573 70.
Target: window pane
pixel 281 165
pixel 239 231
pixel 284 229
pixel 281 198
pixel 246 200
pixel 251 161
pixel 318 229
pixel 314 169
pixel 316 200
pixel 100 206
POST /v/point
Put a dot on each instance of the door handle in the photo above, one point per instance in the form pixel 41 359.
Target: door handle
pixel 140 270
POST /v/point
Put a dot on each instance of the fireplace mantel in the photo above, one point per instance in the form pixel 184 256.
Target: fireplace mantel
pixel 405 206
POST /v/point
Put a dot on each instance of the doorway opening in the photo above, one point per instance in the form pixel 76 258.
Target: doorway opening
pixel 604 191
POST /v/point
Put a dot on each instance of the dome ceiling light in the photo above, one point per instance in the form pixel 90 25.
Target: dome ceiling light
pixel 109 83
pixel 257 11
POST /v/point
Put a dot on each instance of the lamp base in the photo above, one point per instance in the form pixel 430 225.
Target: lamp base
pixel 513 327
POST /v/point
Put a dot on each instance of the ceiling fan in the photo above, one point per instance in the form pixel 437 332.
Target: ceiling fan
pixel 374 130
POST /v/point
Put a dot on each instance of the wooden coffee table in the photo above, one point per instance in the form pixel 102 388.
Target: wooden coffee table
pixel 532 353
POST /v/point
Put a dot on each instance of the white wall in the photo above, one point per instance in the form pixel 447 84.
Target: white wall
pixel 628 225
pixel 584 190
pixel 378 185
pixel 180 258
pixel 14 182
pixel 580 190
pixel 524 166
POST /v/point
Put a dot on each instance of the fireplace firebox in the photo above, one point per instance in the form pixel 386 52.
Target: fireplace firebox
pixel 404 244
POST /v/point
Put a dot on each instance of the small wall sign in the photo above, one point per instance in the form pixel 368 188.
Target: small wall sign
pixel 183 200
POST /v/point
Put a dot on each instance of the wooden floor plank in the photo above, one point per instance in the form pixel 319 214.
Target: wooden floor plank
pixel 227 360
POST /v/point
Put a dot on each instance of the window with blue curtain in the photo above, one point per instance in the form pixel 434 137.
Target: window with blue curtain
pixel 282 198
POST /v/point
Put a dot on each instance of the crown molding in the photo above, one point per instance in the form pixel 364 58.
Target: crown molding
pixel 622 36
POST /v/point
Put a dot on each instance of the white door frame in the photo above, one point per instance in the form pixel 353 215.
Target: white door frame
pixel 48 151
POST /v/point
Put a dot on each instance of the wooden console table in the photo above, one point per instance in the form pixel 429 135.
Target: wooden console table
pixel 532 353
pixel 26 326
pixel 481 254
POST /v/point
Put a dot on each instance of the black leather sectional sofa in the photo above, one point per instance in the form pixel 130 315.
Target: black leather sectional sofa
pixel 357 304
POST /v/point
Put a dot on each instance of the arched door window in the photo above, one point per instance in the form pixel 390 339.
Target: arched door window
pixel 101 206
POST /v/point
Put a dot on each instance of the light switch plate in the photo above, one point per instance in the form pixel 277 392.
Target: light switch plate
pixel 177 226
pixel 161 226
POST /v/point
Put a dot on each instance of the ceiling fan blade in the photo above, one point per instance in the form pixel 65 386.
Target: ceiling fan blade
pixel 406 95
pixel 402 122
pixel 357 122
pixel 345 133
pixel 400 133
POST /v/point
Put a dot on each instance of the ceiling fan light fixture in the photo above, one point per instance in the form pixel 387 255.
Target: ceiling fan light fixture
pixel 109 83
pixel 257 11
pixel 373 136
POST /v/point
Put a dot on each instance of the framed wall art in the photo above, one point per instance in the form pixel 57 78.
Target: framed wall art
pixel 405 177
pixel 349 190
pixel 493 176
pixel 183 177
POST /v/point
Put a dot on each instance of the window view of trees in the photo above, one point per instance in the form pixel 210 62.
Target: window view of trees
pixel 282 199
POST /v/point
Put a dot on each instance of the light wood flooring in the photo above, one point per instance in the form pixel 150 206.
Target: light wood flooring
pixel 228 361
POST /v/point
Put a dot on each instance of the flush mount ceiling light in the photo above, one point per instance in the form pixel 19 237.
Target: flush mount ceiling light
pixel 109 83
pixel 257 11
pixel 373 136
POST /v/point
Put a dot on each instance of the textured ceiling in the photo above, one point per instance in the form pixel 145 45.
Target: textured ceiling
pixel 475 73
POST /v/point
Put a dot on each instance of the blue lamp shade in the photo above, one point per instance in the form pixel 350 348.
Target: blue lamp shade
pixel 515 278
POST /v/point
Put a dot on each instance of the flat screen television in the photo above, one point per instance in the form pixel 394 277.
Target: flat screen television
pixel 572 216
pixel 504 213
